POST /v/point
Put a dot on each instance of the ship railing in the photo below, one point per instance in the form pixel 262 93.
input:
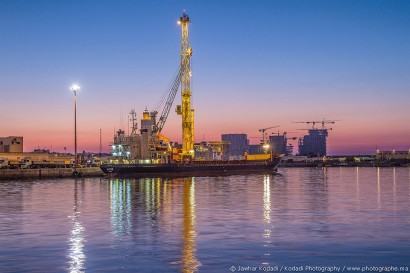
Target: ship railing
pixel 227 162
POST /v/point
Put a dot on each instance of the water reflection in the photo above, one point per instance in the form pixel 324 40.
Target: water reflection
pixel 148 210
pixel 379 203
pixel 357 187
pixel 304 216
pixel 267 216
pixel 76 241
pixel 266 199
pixel 120 206
pixel 189 260
pixel 394 189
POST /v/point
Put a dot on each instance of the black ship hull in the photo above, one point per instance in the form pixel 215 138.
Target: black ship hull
pixel 197 168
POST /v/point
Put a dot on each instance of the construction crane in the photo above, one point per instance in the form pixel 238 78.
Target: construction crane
pixel 314 143
pixel 323 122
pixel 284 133
pixel 265 138
pixel 185 109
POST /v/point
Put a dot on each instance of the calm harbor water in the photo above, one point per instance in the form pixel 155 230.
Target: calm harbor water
pixel 298 217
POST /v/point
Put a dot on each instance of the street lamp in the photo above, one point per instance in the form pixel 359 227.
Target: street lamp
pixel 75 88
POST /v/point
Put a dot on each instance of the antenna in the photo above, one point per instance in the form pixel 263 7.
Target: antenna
pixel 100 144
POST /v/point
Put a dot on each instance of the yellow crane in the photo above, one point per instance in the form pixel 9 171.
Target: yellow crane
pixel 185 109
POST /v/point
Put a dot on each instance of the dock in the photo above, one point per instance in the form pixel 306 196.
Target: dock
pixel 12 174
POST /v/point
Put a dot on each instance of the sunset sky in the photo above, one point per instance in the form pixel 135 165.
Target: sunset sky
pixel 255 64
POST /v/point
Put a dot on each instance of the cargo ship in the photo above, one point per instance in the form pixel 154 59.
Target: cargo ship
pixel 194 168
pixel 147 152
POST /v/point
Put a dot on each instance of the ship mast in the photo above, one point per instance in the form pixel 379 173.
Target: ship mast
pixel 186 111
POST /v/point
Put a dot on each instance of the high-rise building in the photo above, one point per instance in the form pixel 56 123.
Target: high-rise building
pixel 313 144
pixel 278 143
pixel 239 143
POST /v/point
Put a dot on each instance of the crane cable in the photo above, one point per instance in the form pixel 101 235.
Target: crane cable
pixel 164 96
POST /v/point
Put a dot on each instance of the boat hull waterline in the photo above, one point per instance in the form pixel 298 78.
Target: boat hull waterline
pixel 194 168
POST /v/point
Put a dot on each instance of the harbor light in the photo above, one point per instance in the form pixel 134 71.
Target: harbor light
pixel 75 88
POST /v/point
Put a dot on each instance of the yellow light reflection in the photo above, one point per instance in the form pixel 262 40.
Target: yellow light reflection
pixel 189 261
pixel 357 188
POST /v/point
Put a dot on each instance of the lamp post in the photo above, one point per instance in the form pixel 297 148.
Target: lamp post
pixel 75 88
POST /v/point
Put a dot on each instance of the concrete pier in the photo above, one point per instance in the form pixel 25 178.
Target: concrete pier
pixel 7 174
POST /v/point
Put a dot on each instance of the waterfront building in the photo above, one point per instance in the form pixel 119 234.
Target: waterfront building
pixel 239 144
pixel 212 150
pixel 392 155
pixel 11 144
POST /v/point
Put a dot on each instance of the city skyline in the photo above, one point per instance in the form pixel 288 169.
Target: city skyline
pixel 254 66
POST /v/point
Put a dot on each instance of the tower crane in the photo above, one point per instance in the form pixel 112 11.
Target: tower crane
pixel 264 137
pixel 284 133
pixel 323 122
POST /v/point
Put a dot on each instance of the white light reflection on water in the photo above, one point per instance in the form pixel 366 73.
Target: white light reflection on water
pixel 76 242
pixel 266 200
pixel 357 188
pixel 394 189
pixel 379 203
pixel 120 194
pixel 266 216
pixel 76 252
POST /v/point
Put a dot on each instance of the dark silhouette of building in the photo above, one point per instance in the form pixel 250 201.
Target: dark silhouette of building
pixel 278 144
pixel 313 144
pixel 255 149
pixel 239 143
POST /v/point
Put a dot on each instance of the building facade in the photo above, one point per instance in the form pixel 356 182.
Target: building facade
pixel 313 144
pixel 11 144
pixel 239 144
pixel 392 155
pixel 278 144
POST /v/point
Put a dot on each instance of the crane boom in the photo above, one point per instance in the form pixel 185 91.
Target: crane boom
pixel 170 100
pixel 264 129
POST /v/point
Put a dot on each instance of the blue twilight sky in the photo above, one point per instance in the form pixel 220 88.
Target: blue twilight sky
pixel 255 64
